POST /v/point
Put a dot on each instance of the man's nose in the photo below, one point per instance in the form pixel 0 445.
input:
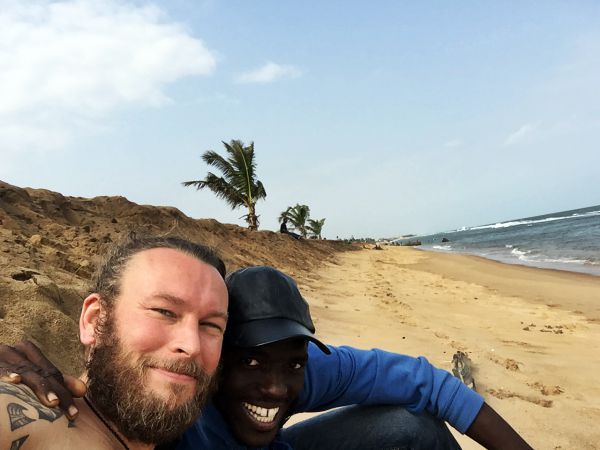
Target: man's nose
pixel 186 338
pixel 273 385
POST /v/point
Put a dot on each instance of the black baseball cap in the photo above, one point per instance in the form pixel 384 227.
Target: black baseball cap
pixel 265 306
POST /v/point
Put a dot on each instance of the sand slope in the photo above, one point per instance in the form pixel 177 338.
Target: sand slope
pixel 532 334
pixel 50 244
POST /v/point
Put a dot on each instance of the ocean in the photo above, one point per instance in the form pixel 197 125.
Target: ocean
pixel 568 240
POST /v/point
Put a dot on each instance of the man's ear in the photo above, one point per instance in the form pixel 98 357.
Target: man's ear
pixel 90 314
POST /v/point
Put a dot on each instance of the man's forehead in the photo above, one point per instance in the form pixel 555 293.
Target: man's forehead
pixel 161 258
pixel 171 271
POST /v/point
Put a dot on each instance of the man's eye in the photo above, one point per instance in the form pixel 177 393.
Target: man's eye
pixel 250 362
pixel 164 312
pixel 216 328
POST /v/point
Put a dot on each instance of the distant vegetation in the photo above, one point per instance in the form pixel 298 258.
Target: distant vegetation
pixel 299 218
pixel 238 184
pixel 315 227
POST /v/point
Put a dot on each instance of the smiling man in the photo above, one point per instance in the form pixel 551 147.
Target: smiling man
pixel 153 328
pixel 273 367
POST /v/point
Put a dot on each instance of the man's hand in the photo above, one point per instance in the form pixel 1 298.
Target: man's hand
pixel 25 363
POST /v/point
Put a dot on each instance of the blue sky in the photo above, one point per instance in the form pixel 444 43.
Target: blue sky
pixel 384 117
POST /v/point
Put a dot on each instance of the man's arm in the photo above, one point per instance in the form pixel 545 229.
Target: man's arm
pixel 378 377
pixel 24 421
pixel 25 363
pixel 493 432
pixel 375 377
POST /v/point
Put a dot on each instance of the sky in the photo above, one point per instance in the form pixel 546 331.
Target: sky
pixel 386 118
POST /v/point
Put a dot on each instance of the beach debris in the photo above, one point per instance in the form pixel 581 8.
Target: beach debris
pixel 462 369
pixel 411 243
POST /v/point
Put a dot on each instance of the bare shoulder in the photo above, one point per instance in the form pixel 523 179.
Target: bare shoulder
pixel 24 421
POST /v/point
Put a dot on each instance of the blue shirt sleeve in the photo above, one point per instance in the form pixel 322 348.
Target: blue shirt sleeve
pixel 375 377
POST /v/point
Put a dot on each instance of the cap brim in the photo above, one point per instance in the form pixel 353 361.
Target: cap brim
pixel 268 331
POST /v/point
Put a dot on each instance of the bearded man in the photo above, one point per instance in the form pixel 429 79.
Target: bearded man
pixel 152 328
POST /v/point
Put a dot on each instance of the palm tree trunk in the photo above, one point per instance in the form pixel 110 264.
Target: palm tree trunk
pixel 252 219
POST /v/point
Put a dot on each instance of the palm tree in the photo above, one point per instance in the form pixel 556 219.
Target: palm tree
pixel 298 216
pixel 316 227
pixel 238 185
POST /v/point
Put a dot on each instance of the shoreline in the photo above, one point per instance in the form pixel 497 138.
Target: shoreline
pixel 561 267
pixel 531 333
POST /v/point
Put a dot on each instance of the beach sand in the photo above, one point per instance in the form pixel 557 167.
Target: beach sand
pixel 532 334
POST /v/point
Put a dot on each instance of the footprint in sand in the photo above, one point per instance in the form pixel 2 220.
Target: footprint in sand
pixel 508 363
pixel 503 393
pixel 546 390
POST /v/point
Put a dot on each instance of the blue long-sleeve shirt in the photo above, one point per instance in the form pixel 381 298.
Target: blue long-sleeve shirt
pixel 351 376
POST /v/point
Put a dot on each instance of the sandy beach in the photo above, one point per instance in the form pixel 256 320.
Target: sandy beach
pixel 532 334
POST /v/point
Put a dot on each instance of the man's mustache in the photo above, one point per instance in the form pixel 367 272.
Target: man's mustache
pixel 182 366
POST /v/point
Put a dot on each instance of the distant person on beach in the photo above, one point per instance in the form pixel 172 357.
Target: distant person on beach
pixel 273 366
pixel 152 327
pixel 283 229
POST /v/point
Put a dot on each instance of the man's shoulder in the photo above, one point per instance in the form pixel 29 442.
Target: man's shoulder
pixel 23 417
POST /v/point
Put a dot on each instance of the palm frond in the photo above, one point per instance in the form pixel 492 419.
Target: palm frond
pixel 315 227
pixel 212 158
pixel 223 190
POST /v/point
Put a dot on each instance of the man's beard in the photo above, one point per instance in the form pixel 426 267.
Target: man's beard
pixel 116 387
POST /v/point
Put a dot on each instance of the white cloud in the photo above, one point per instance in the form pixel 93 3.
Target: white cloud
pixel 453 143
pixel 79 59
pixel 268 73
pixel 519 134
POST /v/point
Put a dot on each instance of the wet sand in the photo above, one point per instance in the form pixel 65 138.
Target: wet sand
pixel 532 334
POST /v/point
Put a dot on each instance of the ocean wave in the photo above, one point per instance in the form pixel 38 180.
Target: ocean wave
pixel 522 255
pixel 528 256
pixel 446 248
pixel 570 261
pixel 515 223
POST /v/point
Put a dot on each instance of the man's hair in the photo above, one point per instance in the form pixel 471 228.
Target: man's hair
pixel 107 279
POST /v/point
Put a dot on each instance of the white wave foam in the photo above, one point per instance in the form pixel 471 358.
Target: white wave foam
pixel 522 255
pixel 528 257
pixel 446 248
pixel 569 261
pixel 531 222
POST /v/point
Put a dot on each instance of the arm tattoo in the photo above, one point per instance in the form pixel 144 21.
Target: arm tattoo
pixel 17 443
pixel 44 413
pixel 16 416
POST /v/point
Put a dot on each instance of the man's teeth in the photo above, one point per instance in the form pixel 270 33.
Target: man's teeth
pixel 261 414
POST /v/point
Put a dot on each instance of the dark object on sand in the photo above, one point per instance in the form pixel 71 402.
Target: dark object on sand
pixel 411 243
pixel 462 369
